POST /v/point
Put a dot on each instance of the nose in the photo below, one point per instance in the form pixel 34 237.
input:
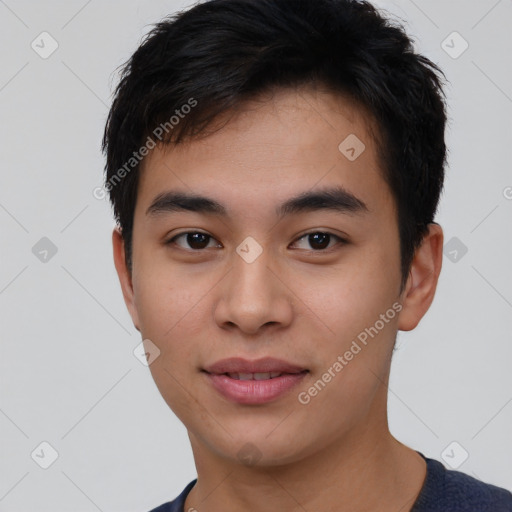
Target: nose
pixel 253 297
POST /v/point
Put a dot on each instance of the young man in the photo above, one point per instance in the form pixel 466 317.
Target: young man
pixel 275 168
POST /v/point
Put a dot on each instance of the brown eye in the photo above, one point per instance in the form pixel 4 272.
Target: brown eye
pixel 318 240
pixel 194 240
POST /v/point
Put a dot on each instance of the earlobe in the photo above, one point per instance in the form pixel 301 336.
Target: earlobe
pixel 423 277
pixel 125 278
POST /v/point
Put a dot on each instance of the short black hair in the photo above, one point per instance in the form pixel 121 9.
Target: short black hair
pixel 206 61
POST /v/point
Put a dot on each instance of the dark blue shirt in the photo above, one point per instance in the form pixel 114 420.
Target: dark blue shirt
pixel 443 491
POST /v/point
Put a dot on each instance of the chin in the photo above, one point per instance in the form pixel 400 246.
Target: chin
pixel 262 449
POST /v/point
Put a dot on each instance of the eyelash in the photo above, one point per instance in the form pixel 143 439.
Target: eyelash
pixel 341 240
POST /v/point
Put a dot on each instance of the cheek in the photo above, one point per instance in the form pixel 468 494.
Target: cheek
pixel 357 310
pixel 164 294
pixel 351 296
pixel 376 276
pixel 171 316
pixel 173 308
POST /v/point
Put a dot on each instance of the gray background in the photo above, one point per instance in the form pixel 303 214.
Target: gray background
pixel 67 369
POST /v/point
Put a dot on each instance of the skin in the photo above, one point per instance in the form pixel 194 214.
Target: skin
pixel 295 302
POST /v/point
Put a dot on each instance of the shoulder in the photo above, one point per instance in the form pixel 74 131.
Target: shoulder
pixel 454 491
pixel 178 504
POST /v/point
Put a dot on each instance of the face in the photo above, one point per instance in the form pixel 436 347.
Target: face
pixel 291 254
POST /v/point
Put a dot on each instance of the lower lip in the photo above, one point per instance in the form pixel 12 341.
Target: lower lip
pixel 254 391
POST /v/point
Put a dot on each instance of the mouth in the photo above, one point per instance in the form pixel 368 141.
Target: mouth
pixel 254 382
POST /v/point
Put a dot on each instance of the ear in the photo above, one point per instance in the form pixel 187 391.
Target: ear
pixel 124 275
pixel 423 277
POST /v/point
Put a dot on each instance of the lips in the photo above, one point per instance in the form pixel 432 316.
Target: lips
pixel 254 382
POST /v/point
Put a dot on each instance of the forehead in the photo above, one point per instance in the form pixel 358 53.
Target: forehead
pixel 272 147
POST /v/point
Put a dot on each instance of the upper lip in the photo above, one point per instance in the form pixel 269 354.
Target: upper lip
pixel 264 365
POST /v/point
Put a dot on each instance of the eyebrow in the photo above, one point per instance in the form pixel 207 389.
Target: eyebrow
pixel 335 198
